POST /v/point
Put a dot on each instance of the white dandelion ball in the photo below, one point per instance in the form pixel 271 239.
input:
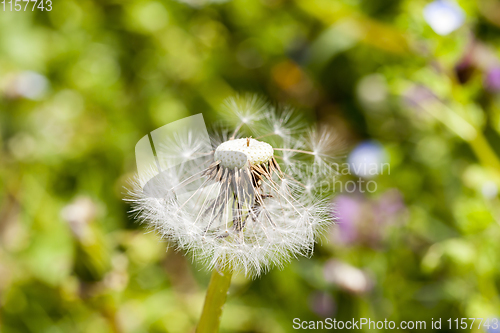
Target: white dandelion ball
pixel 247 199
pixel 235 153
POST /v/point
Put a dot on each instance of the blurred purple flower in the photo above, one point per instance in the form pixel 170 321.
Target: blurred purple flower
pixel 443 16
pixel 322 304
pixel 418 95
pixel 389 204
pixel 348 209
pixel 492 81
pixel 482 57
pixel 364 221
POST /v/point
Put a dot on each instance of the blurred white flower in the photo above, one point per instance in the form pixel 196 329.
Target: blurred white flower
pixel 347 277
pixel 489 190
pixel 22 145
pixel 367 159
pixel 372 91
pixel 78 215
pixel 229 202
pixel 31 85
pixel 444 16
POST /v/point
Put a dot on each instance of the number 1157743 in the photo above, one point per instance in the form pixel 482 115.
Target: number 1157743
pixel 25 5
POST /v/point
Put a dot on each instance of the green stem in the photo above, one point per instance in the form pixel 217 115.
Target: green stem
pixel 485 153
pixel 473 136
pixel 214 301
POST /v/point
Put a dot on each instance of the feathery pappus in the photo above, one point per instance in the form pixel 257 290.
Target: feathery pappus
pixel 247 199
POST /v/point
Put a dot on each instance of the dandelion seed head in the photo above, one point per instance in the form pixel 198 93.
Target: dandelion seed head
pixel 236 206
pixel 235 153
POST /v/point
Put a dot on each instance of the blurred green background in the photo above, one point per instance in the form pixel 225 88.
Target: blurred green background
pixel 412 83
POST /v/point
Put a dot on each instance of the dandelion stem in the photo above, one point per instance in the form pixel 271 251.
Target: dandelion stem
pixel 214 301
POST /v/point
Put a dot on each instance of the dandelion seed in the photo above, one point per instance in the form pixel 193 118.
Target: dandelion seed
pixel 230 203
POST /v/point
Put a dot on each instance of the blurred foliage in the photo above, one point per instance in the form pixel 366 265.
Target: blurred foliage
pixel 80 85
